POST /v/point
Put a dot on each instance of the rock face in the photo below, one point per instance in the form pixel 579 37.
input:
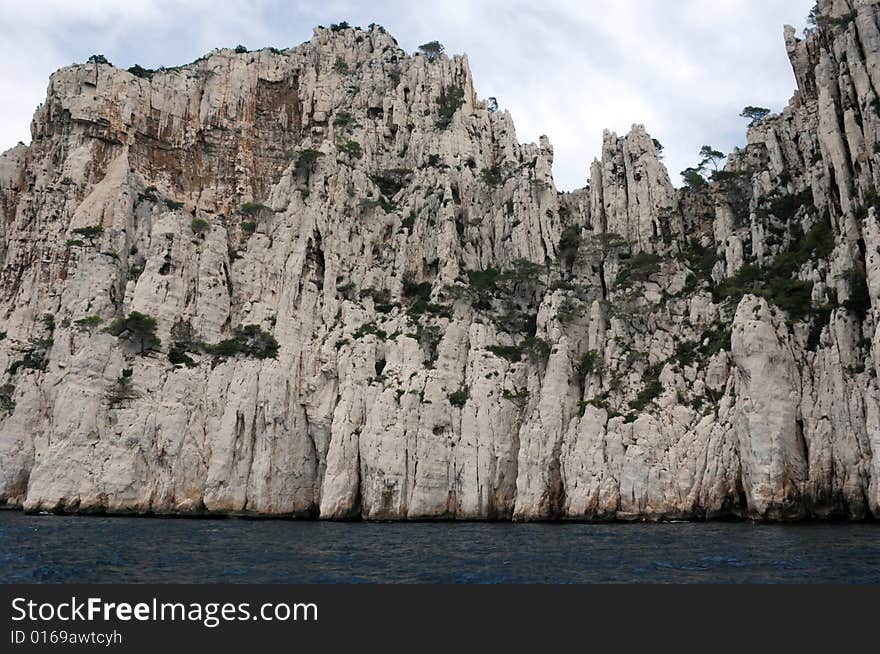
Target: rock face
pixel 455 338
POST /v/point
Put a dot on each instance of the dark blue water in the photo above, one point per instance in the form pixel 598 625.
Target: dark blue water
pixel 54 549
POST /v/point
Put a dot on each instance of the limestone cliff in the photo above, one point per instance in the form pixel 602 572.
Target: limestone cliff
pixel 329 281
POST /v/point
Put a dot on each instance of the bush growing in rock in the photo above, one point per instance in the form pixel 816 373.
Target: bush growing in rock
pixel 7 404
pixel 306 161
pixel 252 208
pixel 638 268
pixel 651 391
pixel 90 232
pixel 569 245
pixel 137 328
pixel 460 397
pixel 859 301
pixel 89 323
pixel 512 353
pixel 248 340
pixel 351 148
pixel 121 390
pixel 140 71
pixel 450 101
pixel 587 364
pixel 342 119
pixel 391 181
pixel 492 176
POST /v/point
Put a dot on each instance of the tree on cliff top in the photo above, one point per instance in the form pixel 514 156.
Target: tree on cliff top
pixel 432 49
pixel 755 114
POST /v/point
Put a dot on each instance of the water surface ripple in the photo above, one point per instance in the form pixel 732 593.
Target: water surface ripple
pixel 54 549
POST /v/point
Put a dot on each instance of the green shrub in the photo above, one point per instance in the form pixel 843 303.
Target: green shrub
pixel 492 176
pixel 140 71
pixel 859 301
pixel 587 364
pixel 512 353
pixel 652 390
pixel 701 260
pixel 7 404
pixel 419 293
pixel 91 232
pixel 248 340
pixel 713 340
pixel 73 242
pixel 520 397
pixel 252 208
pixel 89 322
pixel 340 66
pixel 121 390
pixel 568 311
pixel 460 397
pixel 391 181
pixel 693 179
pixel 785 207
pixel 638 268
pixel 342 119
pixel 569 245
pixel 306 161
pixel 450 101
pixel 177 356
pixel 776 282
pixel 484 280
pixel 368 329
pixel 792 296
pixel 136 328
pixel 432 50
pixel 48 321
pixel 522 271
pixel 98 59
pixel 538 349
pixel 249 227
pixel 755 114
pixel 199 226
pixel 351 148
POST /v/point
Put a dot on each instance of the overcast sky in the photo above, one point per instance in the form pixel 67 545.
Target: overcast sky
pixel 565 68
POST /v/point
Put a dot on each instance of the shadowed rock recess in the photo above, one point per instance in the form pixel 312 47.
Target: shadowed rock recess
pixel 329 282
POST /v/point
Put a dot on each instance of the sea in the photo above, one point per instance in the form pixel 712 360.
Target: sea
pixel 94 549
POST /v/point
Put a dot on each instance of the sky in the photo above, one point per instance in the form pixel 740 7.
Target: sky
pixel 565 68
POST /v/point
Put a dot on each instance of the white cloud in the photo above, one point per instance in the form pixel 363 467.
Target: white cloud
pixel 565 68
